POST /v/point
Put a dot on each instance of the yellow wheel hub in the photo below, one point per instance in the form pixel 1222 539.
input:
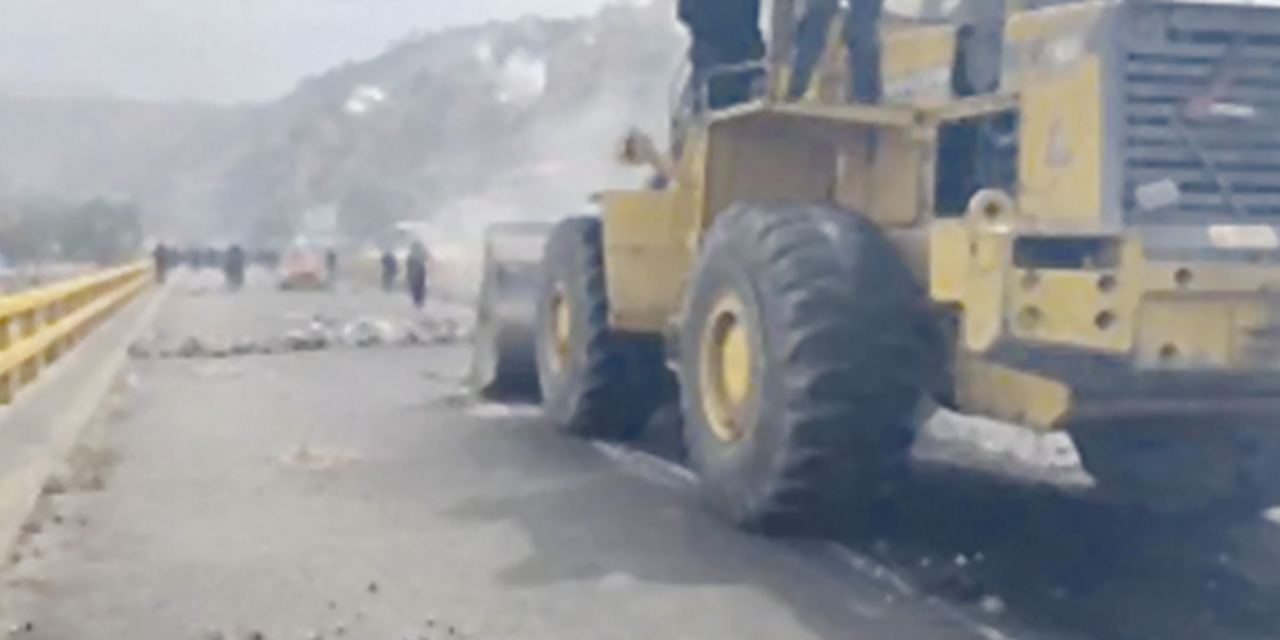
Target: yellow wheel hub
pixel 561 321
pixel 725 369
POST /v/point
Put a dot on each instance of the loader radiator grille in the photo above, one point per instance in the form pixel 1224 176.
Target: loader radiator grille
pixel 1201 96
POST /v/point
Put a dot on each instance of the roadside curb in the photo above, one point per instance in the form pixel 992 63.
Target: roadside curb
pixel 42 428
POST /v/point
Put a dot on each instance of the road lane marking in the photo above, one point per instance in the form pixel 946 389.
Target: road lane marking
pixel 648 466
pixel 494 410
pixel 867 567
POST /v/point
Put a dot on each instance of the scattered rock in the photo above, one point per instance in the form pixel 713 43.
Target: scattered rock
pixel 953 583
pixel 192 347
pixel 617 581
pixel 56 485
pixel 490 410
pixel 304 341
pixel 410 337
pixel 1273 515
pixel 217 350
pixel 993 605
pixel 368 332
pixel 244 347
pixel 305 458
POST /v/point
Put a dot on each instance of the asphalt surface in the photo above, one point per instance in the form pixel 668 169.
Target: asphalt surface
pixel 359 492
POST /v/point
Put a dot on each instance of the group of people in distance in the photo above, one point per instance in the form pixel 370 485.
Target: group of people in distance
pixel 234 260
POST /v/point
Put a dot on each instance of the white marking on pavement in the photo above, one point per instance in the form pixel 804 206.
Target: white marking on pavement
pixel 870 568
pixel 648 466
pixel 495 410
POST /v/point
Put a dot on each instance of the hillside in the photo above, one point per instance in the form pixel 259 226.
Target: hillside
pixel 511 118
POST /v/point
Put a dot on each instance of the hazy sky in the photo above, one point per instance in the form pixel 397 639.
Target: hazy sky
pixel 223 50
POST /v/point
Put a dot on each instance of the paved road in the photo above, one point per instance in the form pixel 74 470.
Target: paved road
pixel 358 493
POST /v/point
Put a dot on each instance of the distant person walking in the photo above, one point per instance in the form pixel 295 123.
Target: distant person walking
pixel 160 256
pixel 331 265
pixel 415 272
pixel 233 267
pixel 390 270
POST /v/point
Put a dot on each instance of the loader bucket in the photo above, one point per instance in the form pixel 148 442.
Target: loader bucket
pixel 503 365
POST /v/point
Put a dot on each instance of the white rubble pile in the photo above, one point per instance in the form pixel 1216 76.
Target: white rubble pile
pixel 318 334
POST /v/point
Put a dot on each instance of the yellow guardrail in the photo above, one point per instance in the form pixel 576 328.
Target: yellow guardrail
pixel 38 326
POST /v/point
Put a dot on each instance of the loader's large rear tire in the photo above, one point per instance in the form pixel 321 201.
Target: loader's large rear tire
pixel 595 382
pixel 802 364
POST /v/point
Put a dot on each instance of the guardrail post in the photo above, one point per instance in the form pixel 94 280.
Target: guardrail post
pixel 47 319
pixel 7 386
pixel 28 325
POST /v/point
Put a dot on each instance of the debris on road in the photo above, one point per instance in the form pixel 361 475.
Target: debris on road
pixel 368 332
pixel 21 628
pixel 304 458
pixel 314 338
pixel 489 410
pixel 318 333
pixel 953 582
pixel 192 347
pixel 1003 450
pixel 992 605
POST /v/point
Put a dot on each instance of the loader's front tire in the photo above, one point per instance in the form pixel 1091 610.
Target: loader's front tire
pixel 802 363
pixel 503 361
pixel 595 382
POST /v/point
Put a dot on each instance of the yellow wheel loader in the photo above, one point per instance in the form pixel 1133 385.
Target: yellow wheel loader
pixel 1061 215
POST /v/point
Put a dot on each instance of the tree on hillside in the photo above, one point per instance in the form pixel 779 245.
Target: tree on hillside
pixel 96 230
pixel 101 231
